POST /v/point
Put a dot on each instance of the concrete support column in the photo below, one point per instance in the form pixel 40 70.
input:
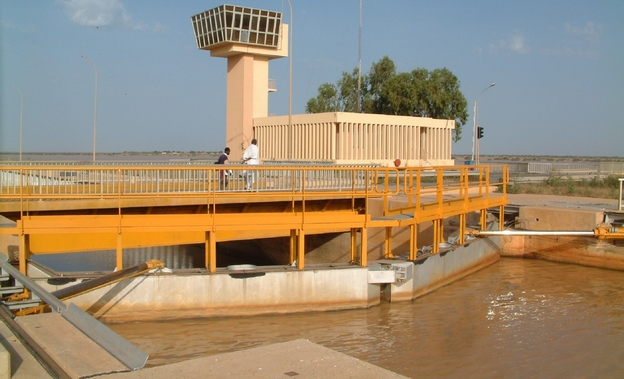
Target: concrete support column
pixel 240 104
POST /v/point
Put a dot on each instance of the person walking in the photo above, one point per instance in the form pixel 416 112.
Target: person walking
pixel 251 157
pixel 223 174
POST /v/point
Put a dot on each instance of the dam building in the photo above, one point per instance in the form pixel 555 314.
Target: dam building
pixel 249 38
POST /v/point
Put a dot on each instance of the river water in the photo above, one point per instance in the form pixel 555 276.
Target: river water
pixel 515 319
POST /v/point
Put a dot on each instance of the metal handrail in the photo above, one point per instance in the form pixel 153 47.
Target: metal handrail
pixel 65 182
pixel 437 185
pixel 62 182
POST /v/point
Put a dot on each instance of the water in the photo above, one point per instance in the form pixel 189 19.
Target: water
pixel 515 319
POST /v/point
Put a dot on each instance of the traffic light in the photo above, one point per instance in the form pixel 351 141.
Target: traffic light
pixel 479 132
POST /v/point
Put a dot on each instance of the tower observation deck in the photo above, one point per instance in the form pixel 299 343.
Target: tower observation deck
pixel 248 38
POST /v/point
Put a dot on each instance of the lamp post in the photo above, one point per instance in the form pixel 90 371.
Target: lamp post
pixel 476 122
pixel 290 131
pixel 94 104
pixel 21 113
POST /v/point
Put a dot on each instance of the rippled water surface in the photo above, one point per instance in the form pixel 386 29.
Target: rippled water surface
pixel 515 319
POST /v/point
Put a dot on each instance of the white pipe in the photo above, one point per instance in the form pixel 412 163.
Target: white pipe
pixel 536 233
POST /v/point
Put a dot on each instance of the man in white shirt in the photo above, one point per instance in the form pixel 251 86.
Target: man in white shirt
pixel 251 156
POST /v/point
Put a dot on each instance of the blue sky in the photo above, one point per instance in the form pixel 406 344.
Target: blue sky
pixel 558 68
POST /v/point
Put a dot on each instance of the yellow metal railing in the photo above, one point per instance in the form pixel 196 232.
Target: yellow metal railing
pixel 88 181
pixel 434 194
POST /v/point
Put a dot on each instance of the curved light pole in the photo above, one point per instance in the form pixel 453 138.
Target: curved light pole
pixel 476 121
pixel 290 131
pixel 94 104
pixel 21 113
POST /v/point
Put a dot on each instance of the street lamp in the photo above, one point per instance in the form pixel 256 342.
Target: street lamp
pixel 21 113
pixel 475 139
pixel 94 104
pixel 290 131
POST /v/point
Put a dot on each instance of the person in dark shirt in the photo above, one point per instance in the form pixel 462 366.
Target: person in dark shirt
pixel 223 174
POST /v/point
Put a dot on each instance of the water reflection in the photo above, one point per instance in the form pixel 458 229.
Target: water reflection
pixel 515 319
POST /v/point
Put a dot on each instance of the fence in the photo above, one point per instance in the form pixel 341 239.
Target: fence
pixel 90 181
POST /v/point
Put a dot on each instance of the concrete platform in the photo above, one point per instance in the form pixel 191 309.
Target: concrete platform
pixel 23 364
pixel 74 352
pixel 296 359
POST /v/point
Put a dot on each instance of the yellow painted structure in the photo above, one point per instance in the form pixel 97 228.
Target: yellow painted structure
pixel 85 208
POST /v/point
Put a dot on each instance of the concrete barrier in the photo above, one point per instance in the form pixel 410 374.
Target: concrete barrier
pixel 438 270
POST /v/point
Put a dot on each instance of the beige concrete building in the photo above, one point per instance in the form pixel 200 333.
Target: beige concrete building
pixel 347 138
pixel 249 38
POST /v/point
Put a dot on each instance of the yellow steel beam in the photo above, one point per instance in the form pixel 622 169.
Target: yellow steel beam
pixel 353 245
pixel 364 247
pixel 388 243
pixel 211 251
pixel 57 234
pixel 413 242
pixel 300 249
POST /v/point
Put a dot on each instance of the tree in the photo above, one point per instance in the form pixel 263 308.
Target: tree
pixel 434 94
pixel 446 100
pixel 325 101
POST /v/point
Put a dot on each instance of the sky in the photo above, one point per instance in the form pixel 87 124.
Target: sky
pixel 558 66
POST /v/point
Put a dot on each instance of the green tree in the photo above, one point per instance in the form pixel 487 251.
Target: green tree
pixel 434 94
pixel 445 100
pixel 325 101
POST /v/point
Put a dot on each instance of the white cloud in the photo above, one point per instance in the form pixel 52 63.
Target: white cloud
pixel 590 31
pixel 570 52
pixel 104 13
pixel 514 44
pixel 21 28
pixel 96 12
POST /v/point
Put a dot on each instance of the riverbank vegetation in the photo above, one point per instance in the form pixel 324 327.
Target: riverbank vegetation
pixel 602 188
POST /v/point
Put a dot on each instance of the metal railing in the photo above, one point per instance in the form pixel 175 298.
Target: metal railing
pixel 547 168
pixel 155 162
pixel 53 181
pixel 444 185
pixel 88 181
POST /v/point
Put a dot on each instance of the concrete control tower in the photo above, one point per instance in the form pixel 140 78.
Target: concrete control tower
pixel 248 38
